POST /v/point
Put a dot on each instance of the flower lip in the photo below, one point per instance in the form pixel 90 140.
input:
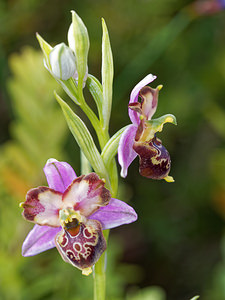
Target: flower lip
pixel 154 159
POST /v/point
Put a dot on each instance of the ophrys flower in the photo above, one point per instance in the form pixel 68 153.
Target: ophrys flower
pixel 71 214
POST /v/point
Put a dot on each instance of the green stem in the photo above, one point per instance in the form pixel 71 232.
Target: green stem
pixel 99 275
pixel 99 279
pixel 101 134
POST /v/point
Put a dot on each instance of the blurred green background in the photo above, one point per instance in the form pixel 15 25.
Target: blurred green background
pixel 176 249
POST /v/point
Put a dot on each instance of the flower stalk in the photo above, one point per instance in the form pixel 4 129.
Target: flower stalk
pixel 74 213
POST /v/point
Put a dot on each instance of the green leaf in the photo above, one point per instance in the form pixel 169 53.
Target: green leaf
pixel 84 139
pixel 107 75
pixel 95 89
pixel 111 148
pixel 79 42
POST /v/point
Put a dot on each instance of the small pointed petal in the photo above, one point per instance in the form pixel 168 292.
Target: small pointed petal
pixel 126 154
pixel 86 194
pixel 83 249
pixel 39 239
pixel 134 96
pixel 42 206
pixel 114 214
pixel 59 174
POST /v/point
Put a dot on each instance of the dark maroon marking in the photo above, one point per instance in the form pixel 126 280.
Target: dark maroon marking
pixel 136 106
pixel 77 247
pixel 32 206
pixel 87 233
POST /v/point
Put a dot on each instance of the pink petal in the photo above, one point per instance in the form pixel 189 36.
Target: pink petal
pixel 126 154
pixel 83 248
pixel 59 174
pixel 134 96
pixel 42 206
pixel 86 194
pixel 39 239
pixel 114 214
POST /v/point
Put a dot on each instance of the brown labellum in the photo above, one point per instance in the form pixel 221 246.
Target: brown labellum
pixel 81 244
pixel 154 159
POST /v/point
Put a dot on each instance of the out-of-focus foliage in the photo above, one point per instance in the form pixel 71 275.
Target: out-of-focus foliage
pixel 38 131
pixel 149 293
pixel 176 243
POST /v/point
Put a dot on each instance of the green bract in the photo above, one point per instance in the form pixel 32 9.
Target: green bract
pixel 79 42
pixel 107 75
pixel 95 89
pixel 46 49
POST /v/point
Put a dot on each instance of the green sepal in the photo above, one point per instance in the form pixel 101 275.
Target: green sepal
pixel 95 89
pixel 84 139
pixel 45 47
pixel 111 148
pixel 80 45
pixel 70 88
pixel 156 125
pixel 107 75
pixel 195 298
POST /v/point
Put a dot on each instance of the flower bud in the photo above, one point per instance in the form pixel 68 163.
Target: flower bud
pixel 62 62
pixel 154 159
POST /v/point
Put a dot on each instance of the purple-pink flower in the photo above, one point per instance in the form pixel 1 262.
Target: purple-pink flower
pixel 126 153
pixel 207 7
pixel 71 214
pixel 139 137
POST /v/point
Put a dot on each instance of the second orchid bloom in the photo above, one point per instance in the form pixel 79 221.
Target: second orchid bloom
pixel 140 139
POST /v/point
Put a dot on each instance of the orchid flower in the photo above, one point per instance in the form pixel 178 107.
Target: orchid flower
pixel 208 7
pixel 71 214
pixel 139 137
